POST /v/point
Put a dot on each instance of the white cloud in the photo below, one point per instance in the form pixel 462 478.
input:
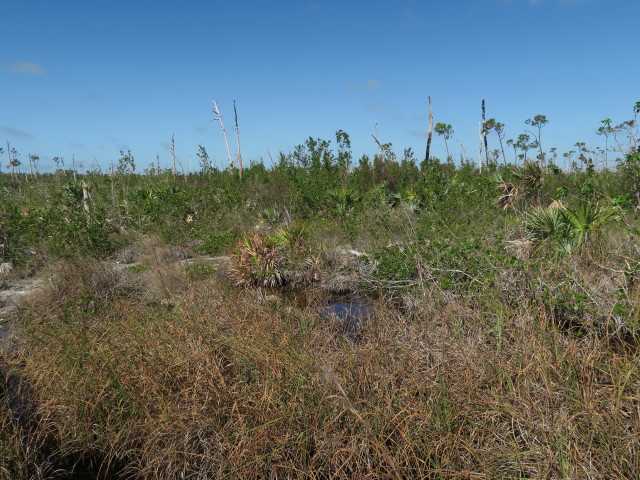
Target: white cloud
pixel 25 67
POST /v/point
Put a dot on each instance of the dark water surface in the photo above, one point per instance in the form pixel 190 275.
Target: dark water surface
pixel 349 311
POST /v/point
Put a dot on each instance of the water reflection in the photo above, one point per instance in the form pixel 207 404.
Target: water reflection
pixel 349 311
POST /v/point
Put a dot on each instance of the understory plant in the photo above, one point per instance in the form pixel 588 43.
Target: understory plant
pixel 256 261
pixel 212 384
pixel 563 229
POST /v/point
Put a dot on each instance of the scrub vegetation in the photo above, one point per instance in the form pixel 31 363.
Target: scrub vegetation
pixel 503 341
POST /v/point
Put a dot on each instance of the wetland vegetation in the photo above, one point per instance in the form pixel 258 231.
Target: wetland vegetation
pixel 496 334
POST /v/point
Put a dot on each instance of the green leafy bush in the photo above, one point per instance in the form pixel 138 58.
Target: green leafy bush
pixel 217 243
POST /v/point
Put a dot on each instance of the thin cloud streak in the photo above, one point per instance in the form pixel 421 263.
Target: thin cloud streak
pixel 535 3
pixel 17 133
pixel 416 134
pixel 377 106
pixel 369 84
pixel 410 118
pixel 25 67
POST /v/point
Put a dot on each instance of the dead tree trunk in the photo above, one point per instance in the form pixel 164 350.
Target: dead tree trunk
pixel 500 131
pixel 173 155
pixel 85 201
pixel 484 133
pixel 235 111
pixel 10 160
pixel 224 132
pixel 426 157
pixel 480 147
pixel 112 174
pixel 632 129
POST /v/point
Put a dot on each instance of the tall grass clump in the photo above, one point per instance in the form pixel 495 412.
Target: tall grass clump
pixel 217 384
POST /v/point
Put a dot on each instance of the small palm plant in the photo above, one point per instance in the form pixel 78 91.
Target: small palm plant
pixel 271 215
pixel 256 262
pixel 527 183
pixel 342 199
pixel 586 222
pixel 544 224
pixel 563 229
pixel 529 178
pixel 294 236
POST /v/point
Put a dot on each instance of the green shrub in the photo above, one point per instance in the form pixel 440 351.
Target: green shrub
pixel 199 270
pixel 217 243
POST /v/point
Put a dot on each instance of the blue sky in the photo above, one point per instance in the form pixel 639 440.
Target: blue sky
pixel 91 78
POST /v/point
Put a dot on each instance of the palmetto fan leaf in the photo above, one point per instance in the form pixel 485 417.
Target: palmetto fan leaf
pixel 528 179
pixel 544 224
pixel 586 220
pixel 563 228
pixel 529 175
pixel 342 199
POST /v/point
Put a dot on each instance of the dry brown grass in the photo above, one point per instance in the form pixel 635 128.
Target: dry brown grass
pixel 219 387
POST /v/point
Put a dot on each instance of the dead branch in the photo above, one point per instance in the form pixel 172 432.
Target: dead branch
pixel 235 111
pixel 216 110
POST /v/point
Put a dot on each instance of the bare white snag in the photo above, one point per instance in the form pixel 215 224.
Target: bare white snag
pixel 224 132
pixel 175 159
pixel 173 154
pixel 484 133
pixel 377 138
pixel 86 196
pixel 480 148
pixel 633 124
pixel 427 155
pixel 382 149
pixel 235 111
pixel 10 160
